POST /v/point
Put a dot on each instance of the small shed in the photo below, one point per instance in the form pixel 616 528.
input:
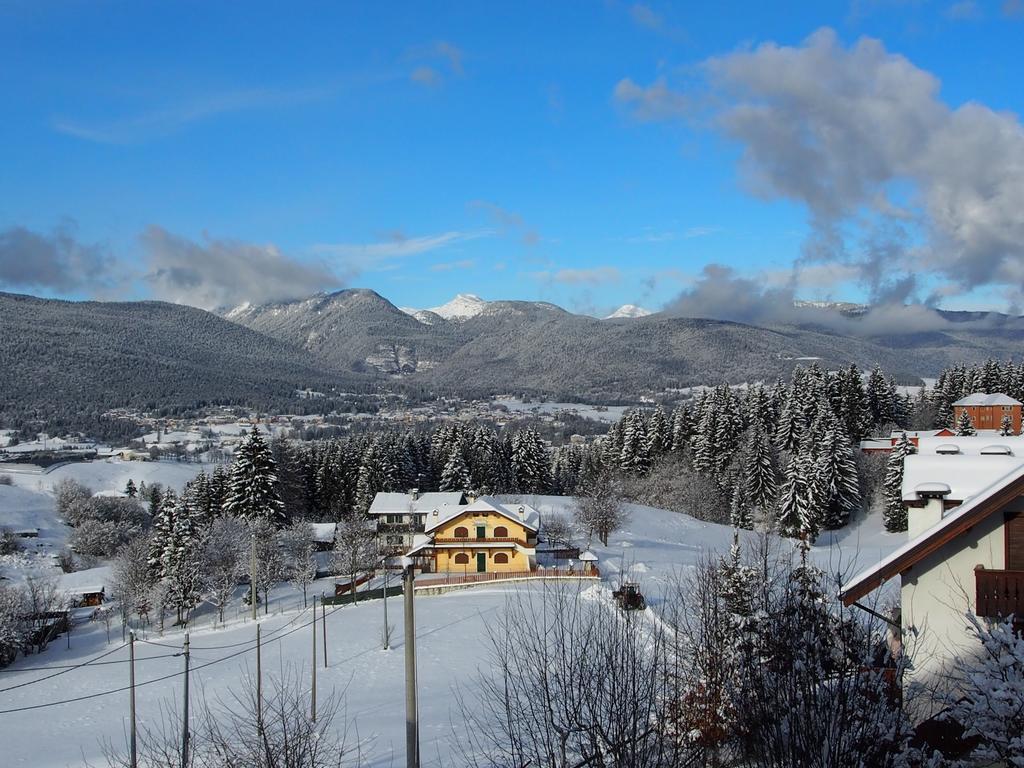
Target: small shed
pixel 589 561
pixel 323 536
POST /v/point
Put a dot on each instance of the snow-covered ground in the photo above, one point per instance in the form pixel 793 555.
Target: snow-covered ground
pixel 606 413
pixel 107 475
pixel 653 546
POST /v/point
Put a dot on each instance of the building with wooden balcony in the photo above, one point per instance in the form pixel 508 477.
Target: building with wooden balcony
pixel 964 553
pixel 400 516
pixel 485 536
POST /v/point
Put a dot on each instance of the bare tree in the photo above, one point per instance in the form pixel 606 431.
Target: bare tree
pixel 132 580
pixel 601 511
pixel 298 549
pixel 558 530
pixel 355 548
pixel 269 563
pixel 12 622
pixel 223 561
pixel 235 730
pixel 571 682
pixel 44 605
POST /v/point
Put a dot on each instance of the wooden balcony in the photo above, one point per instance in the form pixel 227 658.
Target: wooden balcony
pixel 999 593
pixel 470 541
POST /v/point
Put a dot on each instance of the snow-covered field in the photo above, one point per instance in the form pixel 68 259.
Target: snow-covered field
pixel 606 413
pixel 653 547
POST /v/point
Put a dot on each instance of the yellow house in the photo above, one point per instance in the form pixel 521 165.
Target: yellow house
pixel 483 537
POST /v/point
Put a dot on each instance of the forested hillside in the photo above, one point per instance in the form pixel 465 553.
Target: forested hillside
pixel 538 348
pixel 67 362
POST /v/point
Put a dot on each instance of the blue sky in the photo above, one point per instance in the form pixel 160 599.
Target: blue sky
pixel 586 153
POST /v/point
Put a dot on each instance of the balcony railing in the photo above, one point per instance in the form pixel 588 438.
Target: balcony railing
pixel 469 541
pixel 400 527
pixel 999 593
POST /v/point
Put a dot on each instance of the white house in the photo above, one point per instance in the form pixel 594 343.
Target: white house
pixel 964 552
pixel 400 516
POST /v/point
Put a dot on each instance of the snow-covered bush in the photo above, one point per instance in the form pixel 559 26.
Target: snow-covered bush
pixel 96 538
pixel 991 697
pixel 72 501
pixel 12 622
pixel 9 543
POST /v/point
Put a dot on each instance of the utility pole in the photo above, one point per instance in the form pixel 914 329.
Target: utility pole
pixel 312 708
pixel 412 725
pixel 387 631
pixel 259 685
pixel 323 623
pixel 184 717
pixel 131 698
pixel 252 577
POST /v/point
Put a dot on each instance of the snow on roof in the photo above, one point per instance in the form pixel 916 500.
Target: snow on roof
pixel 519 513
pixel 85 582
pixel 588 557
pixel 972 445
pixel 861 583
pixel 324 532
pixel 966 476
pixel 403 503
pixel 980 398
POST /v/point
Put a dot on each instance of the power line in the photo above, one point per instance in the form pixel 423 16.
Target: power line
pixel 75 666
pixel 139 685
pixel 63 671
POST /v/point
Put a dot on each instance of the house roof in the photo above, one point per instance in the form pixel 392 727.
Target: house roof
pixel 989 500
pixel 967 475
pixel 404 503
pixel 980 398
pixel 324 532
pixel 523 514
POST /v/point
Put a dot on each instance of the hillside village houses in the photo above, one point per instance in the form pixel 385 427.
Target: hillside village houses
pixel 964 551
pixel 484 536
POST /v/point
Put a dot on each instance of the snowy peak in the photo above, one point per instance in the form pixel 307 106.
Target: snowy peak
pixel 462 307
pixel 630 311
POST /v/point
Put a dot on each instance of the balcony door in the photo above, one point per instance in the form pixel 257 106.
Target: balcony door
pixel 1015 541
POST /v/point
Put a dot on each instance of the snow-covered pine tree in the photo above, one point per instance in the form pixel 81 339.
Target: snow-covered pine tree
pixel 1006 426
pixel 252 488
pixel 894 512
pixel 530 467
pixel 760 483
pixel 791 427
pixel 163 531
pixel 740 513
pixel 130 490
pixel 682 428
pixel 800 512
pixel 181 565
pixel 635 457
pixel 837 477
pixel 455 475
pixel 964 425
pixel 879 397
pixel 659 433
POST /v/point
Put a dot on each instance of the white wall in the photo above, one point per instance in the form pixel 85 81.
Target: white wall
pixel 939 590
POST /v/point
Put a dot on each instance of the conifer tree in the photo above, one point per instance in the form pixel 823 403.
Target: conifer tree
pixel 635 457
pixel 163 532
pixel 252 487
pixel 529 460
pixel 836 475
pixel 964 425
pixel 894 512
pixel 759 474
pixel 1006 425
pixel 455 475
pixel 130 490
pixel 682 428
pixel 799 500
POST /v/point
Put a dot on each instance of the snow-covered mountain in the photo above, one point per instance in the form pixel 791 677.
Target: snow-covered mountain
pixel 462 307
pixel 629 310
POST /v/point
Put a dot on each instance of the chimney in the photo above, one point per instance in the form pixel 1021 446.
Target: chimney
pixel 920 519
pixel 415 493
